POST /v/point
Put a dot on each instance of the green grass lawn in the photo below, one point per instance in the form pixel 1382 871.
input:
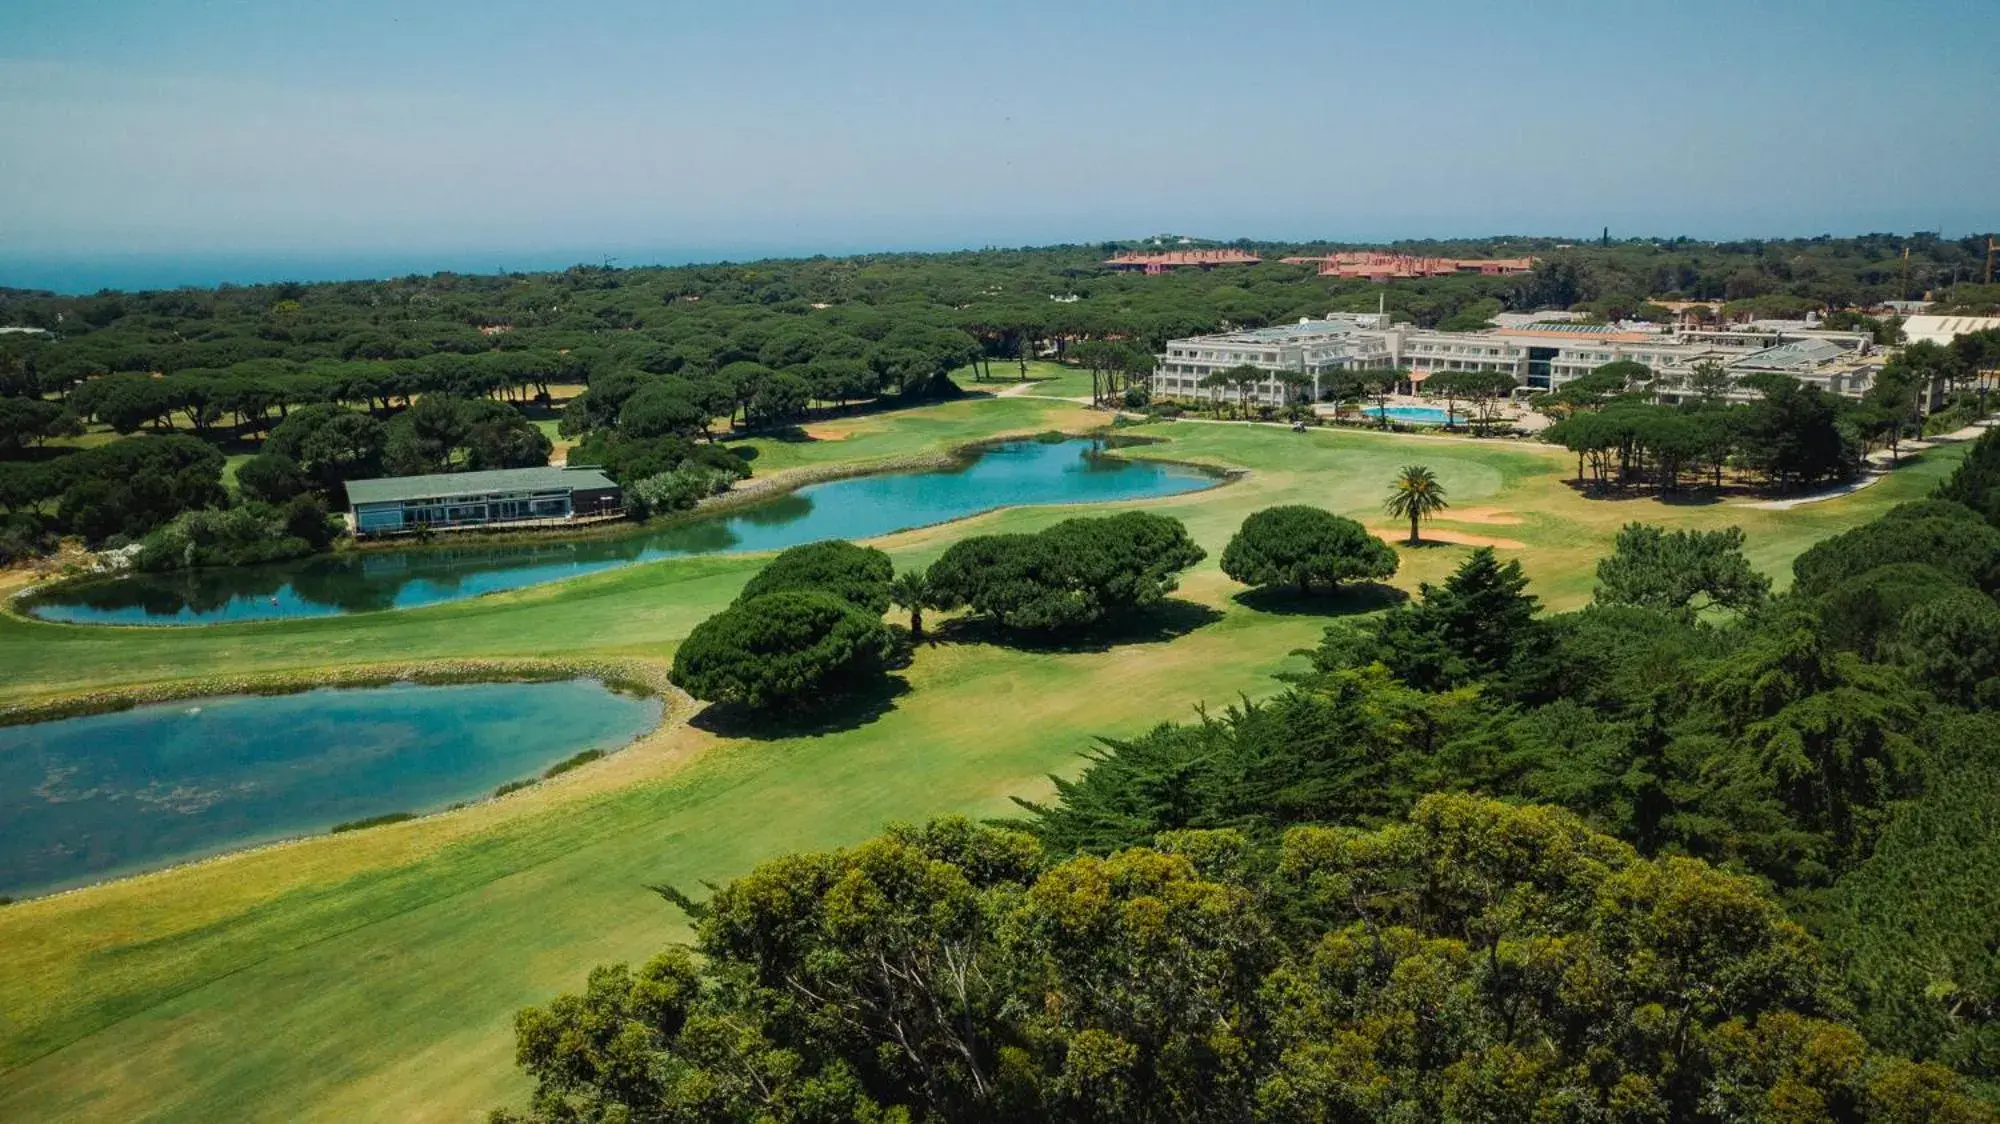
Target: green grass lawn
pixel 373 975
pixel 877 435
pixel 1052 379
pixel 230 465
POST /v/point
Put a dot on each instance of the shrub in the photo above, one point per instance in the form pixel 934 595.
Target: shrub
pixel 787 651
pixel 272 478
pixel 576 761
pixel 678 490
pixel 1068 577
pixel 1301 547
pixel 858 575
pixel 23 536
pixel 239 536
pixel 1679 571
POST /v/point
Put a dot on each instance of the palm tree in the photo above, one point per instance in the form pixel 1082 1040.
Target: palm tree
pixel 1416 494
pixel 911 590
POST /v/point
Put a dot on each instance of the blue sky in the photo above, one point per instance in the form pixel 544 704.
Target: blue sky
pixel 496 128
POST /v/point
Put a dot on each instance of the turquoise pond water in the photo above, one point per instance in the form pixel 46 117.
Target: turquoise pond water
pixel 83 799
pixel 1016 473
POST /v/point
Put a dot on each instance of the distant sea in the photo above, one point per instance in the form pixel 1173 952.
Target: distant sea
pixel 88 273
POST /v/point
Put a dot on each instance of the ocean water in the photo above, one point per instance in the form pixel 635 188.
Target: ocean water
pixel 73 274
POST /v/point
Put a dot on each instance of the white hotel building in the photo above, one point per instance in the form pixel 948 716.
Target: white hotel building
pixel 1540 354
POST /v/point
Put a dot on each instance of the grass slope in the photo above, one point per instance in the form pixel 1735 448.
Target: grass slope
pixel 374 975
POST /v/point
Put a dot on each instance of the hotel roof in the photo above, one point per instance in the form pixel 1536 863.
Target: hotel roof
pixel 1798 355
pixel 393 489
pixel 1606 333
pixel 1288 333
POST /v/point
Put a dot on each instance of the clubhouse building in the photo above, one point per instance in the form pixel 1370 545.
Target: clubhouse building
pixel 396 505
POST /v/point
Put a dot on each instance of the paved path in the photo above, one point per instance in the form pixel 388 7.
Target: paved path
pixel 1021 390
pixel 1846 489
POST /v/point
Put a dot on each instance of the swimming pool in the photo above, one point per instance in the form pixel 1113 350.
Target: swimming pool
pixel 1414 415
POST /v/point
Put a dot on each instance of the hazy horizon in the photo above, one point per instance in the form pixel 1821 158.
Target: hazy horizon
pixel 517 135
pixel 85 273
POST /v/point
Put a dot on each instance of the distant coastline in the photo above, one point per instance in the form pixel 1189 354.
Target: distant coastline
pixel 84 273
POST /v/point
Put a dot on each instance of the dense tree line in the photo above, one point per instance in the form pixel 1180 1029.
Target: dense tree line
pixel 1468 960
pixel 671 358
pixel 112 492
pixel 1835 741
pixel 1791 436
pixel 1313 907
pixel 838 329
pixel 1788 435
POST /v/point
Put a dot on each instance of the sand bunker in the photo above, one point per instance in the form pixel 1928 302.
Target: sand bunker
pixel 1400 535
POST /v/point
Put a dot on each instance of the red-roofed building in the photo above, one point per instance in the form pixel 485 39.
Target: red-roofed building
pixel 1376 266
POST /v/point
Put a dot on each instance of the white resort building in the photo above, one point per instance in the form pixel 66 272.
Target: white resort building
pixel 1541 352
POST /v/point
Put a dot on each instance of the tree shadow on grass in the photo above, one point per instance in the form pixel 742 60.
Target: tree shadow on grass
pixel 1169 620
pixel 1348 599
pixel 851 712
pixel 789 434
pixel 1688 499
pixel 1697 495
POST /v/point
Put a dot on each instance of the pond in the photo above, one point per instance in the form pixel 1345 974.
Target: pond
pixel 84 799
pixel 1011 474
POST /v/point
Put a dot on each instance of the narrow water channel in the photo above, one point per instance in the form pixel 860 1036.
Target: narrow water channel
pixel 1012 474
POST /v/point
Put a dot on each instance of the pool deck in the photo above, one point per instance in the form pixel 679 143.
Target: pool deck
pixel 1508 414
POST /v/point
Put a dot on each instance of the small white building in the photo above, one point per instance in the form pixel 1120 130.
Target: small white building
pixel 447 501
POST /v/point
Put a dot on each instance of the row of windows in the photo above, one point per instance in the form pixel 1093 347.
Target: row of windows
pixel 490 497
pixel 415 515
pixel 1230 356
pixel 1454 349
pixel 1468 365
